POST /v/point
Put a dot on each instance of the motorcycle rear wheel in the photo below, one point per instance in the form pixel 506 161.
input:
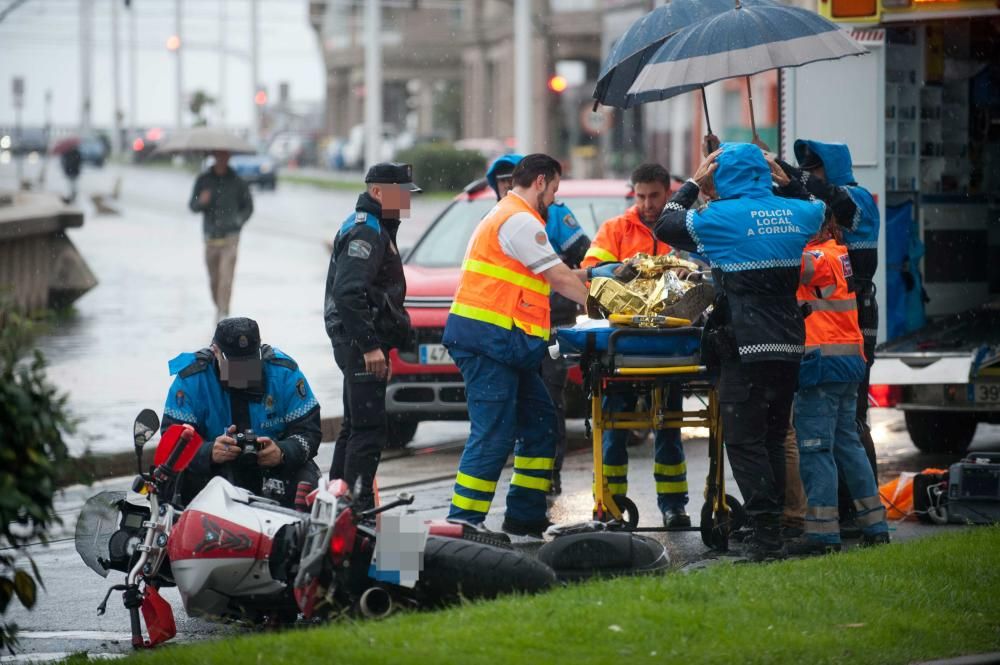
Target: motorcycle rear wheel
pixel 460 569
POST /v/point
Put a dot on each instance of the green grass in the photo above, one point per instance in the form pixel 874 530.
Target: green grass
pixel 932 598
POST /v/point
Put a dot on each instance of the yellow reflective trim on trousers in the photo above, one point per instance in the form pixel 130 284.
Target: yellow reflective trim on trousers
pixel 600 253
pixel 618 489
pixel 671 487
pixel 473 483
pixel 531 482
pixel 612 470
pixel 497 319
pixel 534 463
pixel 670 469
pixel 466 503
pixel 507 275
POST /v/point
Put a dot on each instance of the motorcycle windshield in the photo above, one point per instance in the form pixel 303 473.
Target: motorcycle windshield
pixel 98 520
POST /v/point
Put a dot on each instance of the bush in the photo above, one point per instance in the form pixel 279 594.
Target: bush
pixel 33 418
pixel 439 167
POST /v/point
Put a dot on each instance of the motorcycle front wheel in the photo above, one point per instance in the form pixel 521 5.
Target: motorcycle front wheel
pixel 460 569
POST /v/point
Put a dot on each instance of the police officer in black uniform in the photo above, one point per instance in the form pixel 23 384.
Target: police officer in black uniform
pixel 365 318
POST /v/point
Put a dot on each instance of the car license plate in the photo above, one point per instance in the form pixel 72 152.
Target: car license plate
pixel 436 354
pixel 987 393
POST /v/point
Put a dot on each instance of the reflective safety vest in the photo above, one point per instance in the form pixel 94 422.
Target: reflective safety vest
pixel 499 290
pixel 834 345
pixel 620 238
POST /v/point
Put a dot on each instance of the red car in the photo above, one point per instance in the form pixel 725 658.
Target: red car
pixel 426 384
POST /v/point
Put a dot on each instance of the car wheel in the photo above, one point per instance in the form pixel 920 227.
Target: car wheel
pixel 400 432
pixel 941 431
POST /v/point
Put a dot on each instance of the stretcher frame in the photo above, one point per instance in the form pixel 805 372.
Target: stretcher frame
pixel 721 513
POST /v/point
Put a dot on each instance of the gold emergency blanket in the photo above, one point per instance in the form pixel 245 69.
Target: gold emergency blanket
pixel 652 287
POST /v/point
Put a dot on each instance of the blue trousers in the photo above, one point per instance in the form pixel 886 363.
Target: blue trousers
pixel 828 440
pixel 509 410
pixel 669 467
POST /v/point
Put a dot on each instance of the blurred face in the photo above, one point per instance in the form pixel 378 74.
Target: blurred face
pixel 221 160
pixel 650 197
pixel 504 185
pixel 395 200
pixel 239 373
pixel 819 172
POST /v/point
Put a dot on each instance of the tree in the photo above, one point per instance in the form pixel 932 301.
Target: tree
pixel 33 419
pixel 199 100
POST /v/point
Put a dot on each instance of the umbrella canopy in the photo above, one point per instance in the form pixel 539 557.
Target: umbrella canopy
pixel 639 43
pixel 65 145
pixel 745 40
pixel 205 139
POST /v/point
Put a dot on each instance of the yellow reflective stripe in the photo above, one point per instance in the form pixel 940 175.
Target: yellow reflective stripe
pixel 617 489
pixel 671 487
pixel 534 463
pixel 670 469
pixel 497 319
pixel 531 482
pixel 600 253
pixel 611 470
pixel 474 483
pixel 507 275
pixel 466 503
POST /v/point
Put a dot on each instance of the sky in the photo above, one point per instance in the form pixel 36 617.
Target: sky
pixel 40 41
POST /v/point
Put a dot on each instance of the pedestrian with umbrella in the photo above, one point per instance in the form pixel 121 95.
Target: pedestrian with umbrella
pixel 71 162
pixel 223 199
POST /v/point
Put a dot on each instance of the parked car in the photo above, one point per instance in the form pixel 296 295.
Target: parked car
pixel 93 150
pixel 426 384
pixel 256 169
pixel 27 141
pixel 145 143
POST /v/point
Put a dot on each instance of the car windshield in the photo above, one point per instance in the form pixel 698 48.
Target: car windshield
pixel 444 243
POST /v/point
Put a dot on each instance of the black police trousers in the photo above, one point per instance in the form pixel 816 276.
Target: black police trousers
pixel 756 402
pixel 363 430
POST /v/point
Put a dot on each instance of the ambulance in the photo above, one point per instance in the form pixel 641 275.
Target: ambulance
pixel 921 115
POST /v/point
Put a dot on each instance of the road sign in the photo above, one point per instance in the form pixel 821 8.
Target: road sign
pixel 17 88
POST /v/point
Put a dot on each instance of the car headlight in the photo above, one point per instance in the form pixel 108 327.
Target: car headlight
pixel 266 168
pixel 4 142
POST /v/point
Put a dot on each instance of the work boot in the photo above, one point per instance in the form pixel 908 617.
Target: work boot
pixel 849 529
pixel 694 301
pixel 534 529
pixel 764 544
pixel 874 540
pixel 675 518
pixel 805 546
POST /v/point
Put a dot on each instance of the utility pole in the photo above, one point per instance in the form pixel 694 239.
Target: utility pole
pixel 220 101
pixel 116 138
pixel 179 71
pixel 254 75
pixel 86 48
pixel 373 82
pixel 523 85
pixel 133 63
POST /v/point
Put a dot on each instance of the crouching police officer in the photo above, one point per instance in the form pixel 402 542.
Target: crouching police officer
pixel 238 384
pixel 365 318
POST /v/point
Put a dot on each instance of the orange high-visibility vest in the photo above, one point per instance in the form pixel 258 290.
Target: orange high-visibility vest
pixel 832 327
pixel 620 238
pixel 499 290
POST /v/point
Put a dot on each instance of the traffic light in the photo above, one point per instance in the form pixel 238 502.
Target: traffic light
pixel 173 43
pixel 260 98
pixel 558 83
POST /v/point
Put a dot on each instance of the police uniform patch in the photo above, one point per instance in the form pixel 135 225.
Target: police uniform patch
pixel 179 398
pixel 359 249
pixel 300 388
pixel 361 218
pixel 269 402
pixel 541 238
pixel 570 221
pixel 845 262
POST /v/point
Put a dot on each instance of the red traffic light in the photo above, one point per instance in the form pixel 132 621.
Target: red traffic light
pixel 173 43
pixel 558 83
pixel 260 98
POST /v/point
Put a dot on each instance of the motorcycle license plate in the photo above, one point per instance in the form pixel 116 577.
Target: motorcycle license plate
pixel 436 354
pixel 988 393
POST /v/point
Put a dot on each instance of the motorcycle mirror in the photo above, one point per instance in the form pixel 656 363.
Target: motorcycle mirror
pixel 146 424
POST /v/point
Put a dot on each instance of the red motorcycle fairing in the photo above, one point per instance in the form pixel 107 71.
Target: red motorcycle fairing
pixel 178 435
pixel 199 535
pixel 159 617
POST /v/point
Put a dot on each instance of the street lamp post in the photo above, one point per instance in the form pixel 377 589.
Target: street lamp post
pixel 179 69
pixel 523 89
pixel 373 82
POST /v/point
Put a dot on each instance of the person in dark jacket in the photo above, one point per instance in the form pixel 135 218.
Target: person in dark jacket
pixel 238 384
pixel 224 200
pixel 755 334
pixel 571 244
pixel 365 318
pixel 825 170
pixel 71 161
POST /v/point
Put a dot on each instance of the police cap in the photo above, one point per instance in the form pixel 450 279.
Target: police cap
pixel 392 173
pixel 238 337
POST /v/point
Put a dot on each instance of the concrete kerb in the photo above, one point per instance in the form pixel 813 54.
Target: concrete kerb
pixel 113 465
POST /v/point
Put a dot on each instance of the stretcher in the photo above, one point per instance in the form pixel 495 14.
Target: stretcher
pixel 660 357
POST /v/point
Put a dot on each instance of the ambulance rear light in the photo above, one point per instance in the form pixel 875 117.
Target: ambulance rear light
pixel 885 396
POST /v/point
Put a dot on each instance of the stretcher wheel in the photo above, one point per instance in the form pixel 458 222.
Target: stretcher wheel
pixel 630 514
pixel 715 534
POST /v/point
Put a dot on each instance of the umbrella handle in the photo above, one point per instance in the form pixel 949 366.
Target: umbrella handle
pixel 753 123
pixel 704 103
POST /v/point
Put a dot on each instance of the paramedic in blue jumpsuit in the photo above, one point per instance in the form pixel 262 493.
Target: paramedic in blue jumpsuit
pixel 571 244
pixel 755 334
pixel 825 169
pixel 238 384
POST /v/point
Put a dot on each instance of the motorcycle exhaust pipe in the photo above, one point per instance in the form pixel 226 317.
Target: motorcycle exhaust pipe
pixel 376 603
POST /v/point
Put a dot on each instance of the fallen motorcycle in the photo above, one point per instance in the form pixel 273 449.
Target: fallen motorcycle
pixel 236 556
